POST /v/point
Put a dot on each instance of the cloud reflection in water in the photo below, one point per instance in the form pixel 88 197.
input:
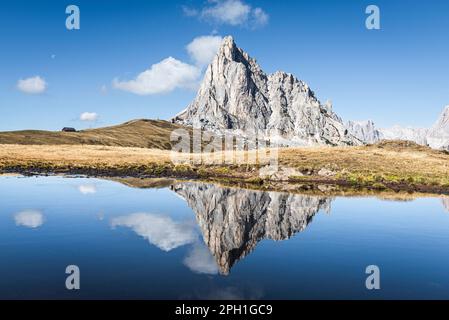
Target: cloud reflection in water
pixel 160 230
pixel 29 218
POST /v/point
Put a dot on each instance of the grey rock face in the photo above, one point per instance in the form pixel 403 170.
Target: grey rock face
pixel 418 135
pixel 233 221
pixel 237 95
pixel 367 132
pixel 364 131
pixel 438 135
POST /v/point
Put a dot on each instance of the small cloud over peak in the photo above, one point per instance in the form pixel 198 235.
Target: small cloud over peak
pixel 203 49
pixel 230 12
pixel 259 17
pixel 32 85
pixel 233 12
pixel 89 116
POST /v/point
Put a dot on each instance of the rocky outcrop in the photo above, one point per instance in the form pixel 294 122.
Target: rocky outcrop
pixel 364 131
pixel 233 221
pixel 236 95
pixel 438 135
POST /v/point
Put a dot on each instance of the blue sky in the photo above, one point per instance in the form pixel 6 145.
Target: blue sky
pixel 396 75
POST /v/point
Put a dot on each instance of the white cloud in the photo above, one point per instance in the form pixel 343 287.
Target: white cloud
pixel 29 218
pixel 231 12
pixel 200 260
pixel 162 77
pixel 89 116
pixel 87 189
pixel 159 230
pixel 260 17
pixel 203 49
pixel 189 12
pixel 33 85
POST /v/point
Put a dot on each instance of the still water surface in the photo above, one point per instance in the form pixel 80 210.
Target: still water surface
pixel 202 241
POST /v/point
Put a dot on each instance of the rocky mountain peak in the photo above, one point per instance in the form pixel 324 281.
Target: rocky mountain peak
pixel 237 95
pixel 228 48
pixel 438 136
pixel 444 118
pixel 228 41
pixel 364 130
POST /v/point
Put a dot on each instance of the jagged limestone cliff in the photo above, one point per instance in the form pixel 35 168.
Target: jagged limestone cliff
pixel 236 95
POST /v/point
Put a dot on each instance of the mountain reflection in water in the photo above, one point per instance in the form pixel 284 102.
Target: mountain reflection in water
pixel 159 238
pixel 233 221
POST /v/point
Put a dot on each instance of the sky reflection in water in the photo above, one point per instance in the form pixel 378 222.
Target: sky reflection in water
pixel 192 240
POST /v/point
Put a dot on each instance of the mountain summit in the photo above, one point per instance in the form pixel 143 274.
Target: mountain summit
pixel 237 95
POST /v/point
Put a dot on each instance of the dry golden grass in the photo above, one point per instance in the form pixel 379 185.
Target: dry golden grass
pixel 393 162
pixel 136 133
pixel 84 155
pixel 377 166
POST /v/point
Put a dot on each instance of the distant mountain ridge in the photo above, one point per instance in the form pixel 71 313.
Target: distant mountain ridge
pixel 436 137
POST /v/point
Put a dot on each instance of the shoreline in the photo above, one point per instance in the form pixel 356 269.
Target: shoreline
pixel 392 166
pixel 315 185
